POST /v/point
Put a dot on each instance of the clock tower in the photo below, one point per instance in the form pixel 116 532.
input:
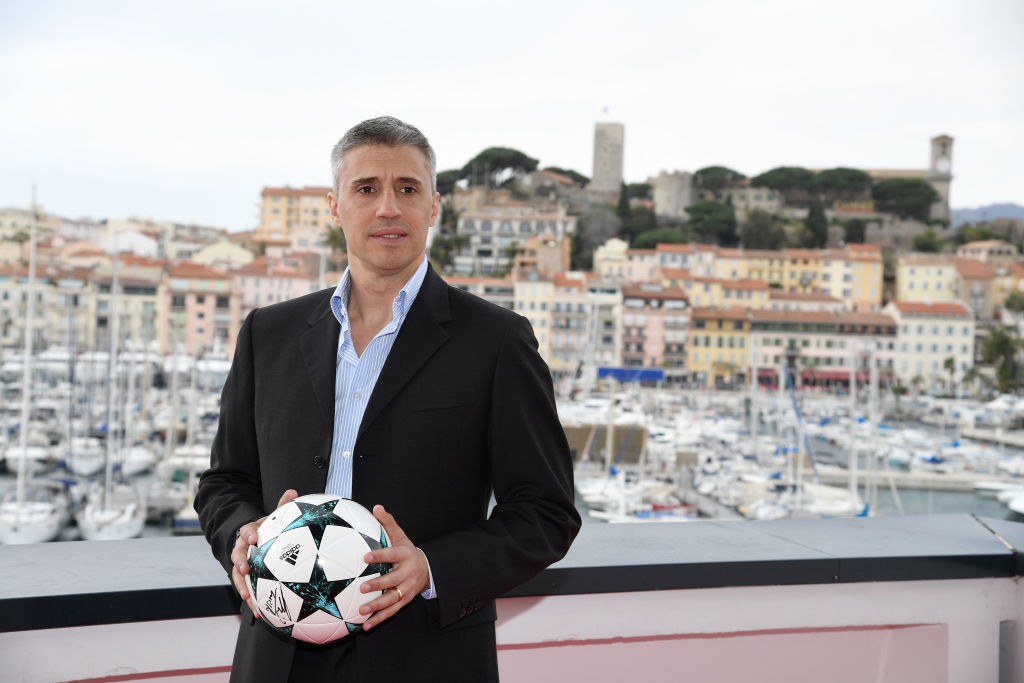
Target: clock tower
pixel 940 174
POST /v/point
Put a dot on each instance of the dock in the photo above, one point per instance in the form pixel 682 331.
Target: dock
pixel 934 481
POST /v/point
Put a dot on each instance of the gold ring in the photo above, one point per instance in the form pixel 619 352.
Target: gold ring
pixel 399 591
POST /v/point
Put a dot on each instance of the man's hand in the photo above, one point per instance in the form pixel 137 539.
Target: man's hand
pixel 240 554
pixel 409 575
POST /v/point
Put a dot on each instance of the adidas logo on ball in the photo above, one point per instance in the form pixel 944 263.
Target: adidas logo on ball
pixel 290 555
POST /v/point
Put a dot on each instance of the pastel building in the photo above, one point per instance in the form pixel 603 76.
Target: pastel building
pixel 204 309
pixel 654 327
pixel 263 282
pixel 926 278
pixel 719 351
pixel 928 334
pixel 822 345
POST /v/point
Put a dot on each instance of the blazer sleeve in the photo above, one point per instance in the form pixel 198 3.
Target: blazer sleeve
pixel 534 520
pixel 230 493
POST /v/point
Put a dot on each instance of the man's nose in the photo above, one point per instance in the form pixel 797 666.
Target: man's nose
pixel 388 204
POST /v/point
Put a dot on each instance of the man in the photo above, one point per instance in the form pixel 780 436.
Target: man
pixel 411 397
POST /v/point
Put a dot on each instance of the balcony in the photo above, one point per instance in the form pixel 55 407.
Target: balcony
pixel 907 599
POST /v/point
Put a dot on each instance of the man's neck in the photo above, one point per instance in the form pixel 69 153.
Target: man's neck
pixel 370 301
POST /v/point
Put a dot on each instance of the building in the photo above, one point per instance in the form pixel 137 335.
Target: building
pixel 928 335
pixel 794 301
pixel 263 282
pixel 655 322
pixel 283 209
pixel 547 253
pixel 822 346
pixel 609 144
pixel 989 251
pixel 672 193
pixel 719 351
pixel 615 261
pixel 976 287
pixel 938 175
pixel 495 232
pixel 926 278
pixel 204 309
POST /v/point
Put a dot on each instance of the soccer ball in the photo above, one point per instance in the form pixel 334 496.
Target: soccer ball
pixel 307 566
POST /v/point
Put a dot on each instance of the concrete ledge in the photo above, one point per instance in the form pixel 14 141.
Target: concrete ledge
pixel 59 585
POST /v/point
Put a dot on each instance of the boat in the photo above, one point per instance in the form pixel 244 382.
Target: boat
pixel 30 513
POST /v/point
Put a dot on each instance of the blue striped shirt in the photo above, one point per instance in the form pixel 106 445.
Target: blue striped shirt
pixel 355 376
pixel 354 379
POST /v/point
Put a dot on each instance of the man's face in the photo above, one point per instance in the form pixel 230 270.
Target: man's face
pixel 384 205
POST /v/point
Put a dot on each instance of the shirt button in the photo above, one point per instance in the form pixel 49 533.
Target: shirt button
pixel 318 462
pixel 356 395
pixel 346 455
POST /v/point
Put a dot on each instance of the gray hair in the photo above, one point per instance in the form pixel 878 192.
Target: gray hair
pixel 387 131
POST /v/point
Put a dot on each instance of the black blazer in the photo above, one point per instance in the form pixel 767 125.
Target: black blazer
pixel 463 406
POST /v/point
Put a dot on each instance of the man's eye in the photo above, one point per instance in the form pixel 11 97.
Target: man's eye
pixel 365 189
pixel 408 189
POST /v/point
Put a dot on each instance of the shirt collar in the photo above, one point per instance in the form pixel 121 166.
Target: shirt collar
pixel 399 307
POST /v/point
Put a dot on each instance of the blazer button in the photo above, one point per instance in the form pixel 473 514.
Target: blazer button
pixel 318 462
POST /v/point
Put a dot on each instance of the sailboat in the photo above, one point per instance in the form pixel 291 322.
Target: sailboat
pixel 114 510
pixel 31 513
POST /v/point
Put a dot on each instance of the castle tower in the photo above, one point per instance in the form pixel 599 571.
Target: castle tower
pixel 940 174
pixel 606 181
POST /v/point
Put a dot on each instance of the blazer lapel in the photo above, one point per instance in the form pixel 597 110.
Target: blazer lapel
pixel 319 345
pixel 421 335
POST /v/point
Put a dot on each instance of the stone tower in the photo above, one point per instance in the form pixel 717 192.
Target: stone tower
pixel 606 181
pixel 940 174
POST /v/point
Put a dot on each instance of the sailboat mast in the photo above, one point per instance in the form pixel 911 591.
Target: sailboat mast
pixel 111 366
pixel 26 361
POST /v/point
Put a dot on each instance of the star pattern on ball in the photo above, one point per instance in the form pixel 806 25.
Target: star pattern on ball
pixel 258 563
pixel 318 593
pixel 317 518
pixel 374 544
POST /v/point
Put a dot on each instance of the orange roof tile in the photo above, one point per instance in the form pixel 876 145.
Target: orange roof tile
pixel 781 295
pixel 920 308
pixel 195 271
pixel 974 269
pixel 307 191
pixel 744 284
pixel 720 313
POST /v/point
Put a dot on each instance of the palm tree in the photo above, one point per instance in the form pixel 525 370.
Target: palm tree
pixel 1000 347
pixel 949 365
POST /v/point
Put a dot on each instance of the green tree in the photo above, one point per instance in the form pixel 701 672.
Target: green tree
pixel 784 179
pixel 651 238
pixel 494 162
pixel 949 365
pixel 638 191
pixel 841 184
pixel 713 222
pixel 928 241
pixel 1000 349
pixel 906 197
pixel 576 177
pixel 334 239
pixel 1014 301
pixel 716 178
pixel 640 219
pixel 855 231
pixel 762 230
pixel 446 181
pixel 445 247
pixel 622 209
pixel 978 233
pixel 816 226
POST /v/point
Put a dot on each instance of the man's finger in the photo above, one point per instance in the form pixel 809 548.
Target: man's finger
pixel 287 497
pixel 387 520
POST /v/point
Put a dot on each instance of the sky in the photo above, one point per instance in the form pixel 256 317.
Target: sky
pixel 185 110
